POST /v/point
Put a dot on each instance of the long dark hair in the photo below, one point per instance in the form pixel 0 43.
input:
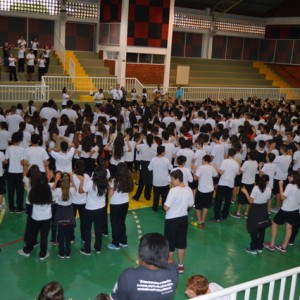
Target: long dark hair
pixel 33 174
pixel 263 181
pixel 123 182
pixel 100 181
pixel 118 147
pixel 40 193
pixel 149 139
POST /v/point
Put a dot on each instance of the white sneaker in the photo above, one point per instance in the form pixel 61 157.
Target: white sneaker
pixel 46 256
pixel 22 253
pixel 274 210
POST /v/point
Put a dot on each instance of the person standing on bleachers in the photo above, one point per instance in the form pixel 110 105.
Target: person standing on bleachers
pixel 30 59
pixel 12 67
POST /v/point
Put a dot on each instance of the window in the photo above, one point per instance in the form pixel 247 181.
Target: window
pixel 132 57
pixel 112 55
pixel 145 58
pixel 158 59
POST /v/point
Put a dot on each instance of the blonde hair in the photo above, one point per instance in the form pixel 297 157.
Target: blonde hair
pixel 65 182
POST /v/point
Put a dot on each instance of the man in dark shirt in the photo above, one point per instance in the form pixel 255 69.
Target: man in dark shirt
pixel 155 277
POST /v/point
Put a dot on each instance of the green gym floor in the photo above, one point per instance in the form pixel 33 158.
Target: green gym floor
pixel 216 251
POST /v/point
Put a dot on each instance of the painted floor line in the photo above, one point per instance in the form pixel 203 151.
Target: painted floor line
pixel 11 243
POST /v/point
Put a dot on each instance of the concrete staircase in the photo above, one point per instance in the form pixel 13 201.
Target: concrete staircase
pixel 277 80
pixel 220 73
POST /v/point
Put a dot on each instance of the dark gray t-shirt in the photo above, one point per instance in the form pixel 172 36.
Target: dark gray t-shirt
pixel 143 283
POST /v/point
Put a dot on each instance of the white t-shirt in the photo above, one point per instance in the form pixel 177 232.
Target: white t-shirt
pixel 30 59
pixel 168 120
pixel 26 140
pixel 63 161
pixel 72 114
pixel 292 202
pixel 205 173
pixel 41 212
pixel 146 152
pixel 48 113
pixel 2 159
pixel 282 163
pixel 189 154
pixel 259 197
pixel 198 155
pixel 187 175
pixel 114 161
pixel 231 169
pixel 36 155
pixel 214 287
pixel 93 201
pixel 15 154
pixel 249 169
pixel 269 169
pixel 65 98
pixel 179 200
pixel 13 122
pixel 160 166
pixel 169 150
pixel 118 197
pixel 4 139
pixel 79 198
pixel 218 152
pixel 57 196
pixel 129 156
pixel 296 159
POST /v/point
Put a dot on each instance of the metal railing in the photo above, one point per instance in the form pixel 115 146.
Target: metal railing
pixel 72 67
pixel 220 93
pixel 86 84
pixel 287 291
pixel 15 93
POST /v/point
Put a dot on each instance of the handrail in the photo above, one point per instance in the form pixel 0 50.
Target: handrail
pixel 232 291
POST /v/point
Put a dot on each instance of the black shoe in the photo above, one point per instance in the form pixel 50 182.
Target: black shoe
pixel 20 211
pixel 82 251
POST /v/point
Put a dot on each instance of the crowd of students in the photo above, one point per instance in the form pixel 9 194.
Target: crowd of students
pixel 241 151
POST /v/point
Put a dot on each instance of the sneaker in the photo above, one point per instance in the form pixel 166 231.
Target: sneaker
pixel 260 250
pixel 280 248
pixel 22 253
pixel 60 256
pixel 113 247
pixel 20 211
pixel 291 244
pixel 180 269
pixel 97 251
pixel 274 210
pixel 82 251
pixel 245 215
pixel 123 245
pixel 44 257
pixel 68 256
pixel 215 220
pixel 236 215
pixel 54 243
pixel 104 235
pixel 12 211
pixel 202 225
pixel 269 246
pixel 249 250
pixel 196 224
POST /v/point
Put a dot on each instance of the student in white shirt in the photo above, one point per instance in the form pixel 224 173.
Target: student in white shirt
pixel 2 180
pixel 204 194
pixel 187 174
pixel 129 155
pixel 228 170
pixel 5 137
pixel 269 169
pixel 179 199
pixel 282 163
pixel 12 67
pixel 99 96
pixel 95 208
pixel 41 217
pixel 198 285
pixel 15 156
pixel 30 60
pixel 258 219
pixel 169 146
pixel 36 155
pixel 65 97
pixel 63 159
pixel 249 170
pixel 120 188
pixel 160 167
pixel 63 192
pixel 147 151
pixel 218 150
pixel 13 120
pixel 288 212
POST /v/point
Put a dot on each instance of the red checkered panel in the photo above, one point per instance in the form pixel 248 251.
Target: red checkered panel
pixel 282 32
pixel 110 11
pixel 266 50
pixel 234 47
pixel 219 46
pixel 250 51
pixel 283 51
pixel 296 53
pixel 148 23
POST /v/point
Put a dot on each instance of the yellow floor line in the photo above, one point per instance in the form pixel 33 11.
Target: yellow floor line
pixel 2 211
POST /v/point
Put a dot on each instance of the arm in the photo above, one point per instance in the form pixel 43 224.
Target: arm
pixel 250 199
pixel 282 196
pixel 80 188
pixel 57 178
pixel 194 170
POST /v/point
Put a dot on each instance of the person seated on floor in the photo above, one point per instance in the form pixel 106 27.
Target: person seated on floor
pixel 51 291
pixel 156 276
pixel 198 285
